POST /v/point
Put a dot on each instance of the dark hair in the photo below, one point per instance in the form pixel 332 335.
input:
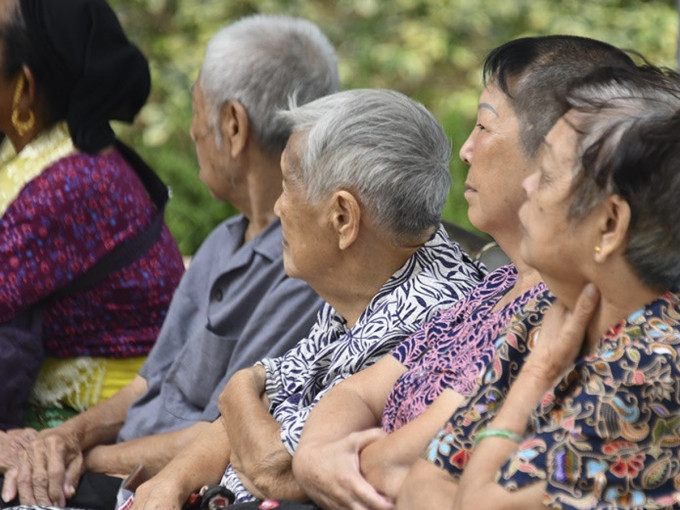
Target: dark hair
pixel 628 143
pixel 85 66
pixel 18 51
pixel 535 71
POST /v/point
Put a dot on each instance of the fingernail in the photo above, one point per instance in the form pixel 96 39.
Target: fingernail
pixel 70 491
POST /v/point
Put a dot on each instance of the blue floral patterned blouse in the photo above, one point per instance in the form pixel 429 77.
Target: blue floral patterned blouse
pixel 608 435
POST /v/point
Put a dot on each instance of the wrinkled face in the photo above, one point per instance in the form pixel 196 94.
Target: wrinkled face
pixel 493 188
pixel 307 240
pixel 551 243
pixel 217 169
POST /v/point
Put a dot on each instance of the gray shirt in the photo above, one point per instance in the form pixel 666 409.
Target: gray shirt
pixel 234 306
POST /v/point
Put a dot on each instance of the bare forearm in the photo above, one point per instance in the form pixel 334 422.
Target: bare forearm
pixel 386 462
pixel 259 456
pixel 154 452
pixel 201 462
pixel 426 486
pixel 101 423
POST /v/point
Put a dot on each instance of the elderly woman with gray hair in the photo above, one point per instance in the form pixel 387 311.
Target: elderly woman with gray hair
pixel 581 409
pixel 365 178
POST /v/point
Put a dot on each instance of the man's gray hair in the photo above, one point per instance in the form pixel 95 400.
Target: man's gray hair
pixel 381 145
pixel 261 61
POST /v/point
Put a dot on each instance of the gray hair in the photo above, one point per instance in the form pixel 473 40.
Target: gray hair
pixel 384 147
pixel 628 126
pixel 261 61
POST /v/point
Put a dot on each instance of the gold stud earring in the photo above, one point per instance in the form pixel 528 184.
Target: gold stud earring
pixel 22 126
pixel 598 249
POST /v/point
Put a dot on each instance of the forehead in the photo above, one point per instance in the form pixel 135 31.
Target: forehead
pixel 291 154
pixel 494 100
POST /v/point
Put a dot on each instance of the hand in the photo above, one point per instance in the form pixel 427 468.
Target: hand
pixel 562 336
pixel 46 471
pixel 12 443
pixel 331 475
pixel 159 493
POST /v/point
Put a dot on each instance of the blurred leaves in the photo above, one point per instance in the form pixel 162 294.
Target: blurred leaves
pixel 431 50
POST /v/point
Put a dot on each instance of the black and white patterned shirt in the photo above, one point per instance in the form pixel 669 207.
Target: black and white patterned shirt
pixel 435 277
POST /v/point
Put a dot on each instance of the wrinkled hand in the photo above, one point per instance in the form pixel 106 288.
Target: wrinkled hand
pixel 46 471
pixel 12 444
pixel 562 335
pixel 331 475
pixel 159 493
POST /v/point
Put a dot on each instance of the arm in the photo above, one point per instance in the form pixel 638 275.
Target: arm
pixel 326 462
pixel 386 462
pixel 258 454
pixel 201 462
pixel 154 452
pixel 560 341
pixel 50 466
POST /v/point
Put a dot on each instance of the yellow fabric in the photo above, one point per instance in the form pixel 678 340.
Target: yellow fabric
pixel 82 382
pixel 17 170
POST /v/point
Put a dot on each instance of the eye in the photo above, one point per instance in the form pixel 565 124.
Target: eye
pixel 480 126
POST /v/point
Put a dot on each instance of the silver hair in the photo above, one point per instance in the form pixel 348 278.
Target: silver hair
pixel 261 61
pixel 628 126
pixel 386 148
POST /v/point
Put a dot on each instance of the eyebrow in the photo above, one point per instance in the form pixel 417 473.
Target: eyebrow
pixel 487 106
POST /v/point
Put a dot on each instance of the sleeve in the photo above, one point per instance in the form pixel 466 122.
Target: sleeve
pixel 612 440
pixel 294 361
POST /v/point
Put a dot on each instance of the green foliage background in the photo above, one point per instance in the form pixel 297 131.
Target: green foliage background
pixel 431 50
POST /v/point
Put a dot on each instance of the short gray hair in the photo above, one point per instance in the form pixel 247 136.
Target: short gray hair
pixel 261 61
pixel 628 126
pixel 384 147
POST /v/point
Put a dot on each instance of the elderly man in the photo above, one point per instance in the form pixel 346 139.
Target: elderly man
pixel 235 304
pixel 365 177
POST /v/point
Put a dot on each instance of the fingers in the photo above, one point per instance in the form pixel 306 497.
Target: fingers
pixel 583 311
pixel 41 476
pixel 72 476
pixel 9 486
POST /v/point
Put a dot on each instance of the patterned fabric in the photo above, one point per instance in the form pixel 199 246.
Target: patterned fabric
pixel 607 435
pixel 436 276
pixel 17 170
pixel 58 226
pixel 452 349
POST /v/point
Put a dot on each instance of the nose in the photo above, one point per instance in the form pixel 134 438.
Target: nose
pixel 466 150
pixel 530 183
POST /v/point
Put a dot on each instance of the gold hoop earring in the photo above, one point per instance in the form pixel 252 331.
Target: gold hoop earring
pixel 22 126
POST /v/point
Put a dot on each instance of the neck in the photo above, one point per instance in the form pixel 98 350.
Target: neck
pixel 617 302
pixel 365 268
pixel 527 276
pixel 263 187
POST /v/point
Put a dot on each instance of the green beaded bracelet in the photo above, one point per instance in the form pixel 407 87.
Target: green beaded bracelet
pixel 505 434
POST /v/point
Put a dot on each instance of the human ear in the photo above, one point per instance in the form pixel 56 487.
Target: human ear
pixel 345 218
pixel 29 90
pixel 234 125
pixel 614 226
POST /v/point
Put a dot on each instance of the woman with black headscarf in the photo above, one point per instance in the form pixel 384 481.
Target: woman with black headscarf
pixel 87 267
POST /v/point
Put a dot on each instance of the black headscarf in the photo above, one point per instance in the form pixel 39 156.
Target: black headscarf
pixel 87 62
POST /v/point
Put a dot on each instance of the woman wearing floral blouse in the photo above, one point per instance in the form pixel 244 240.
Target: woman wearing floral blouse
pixel 581 409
